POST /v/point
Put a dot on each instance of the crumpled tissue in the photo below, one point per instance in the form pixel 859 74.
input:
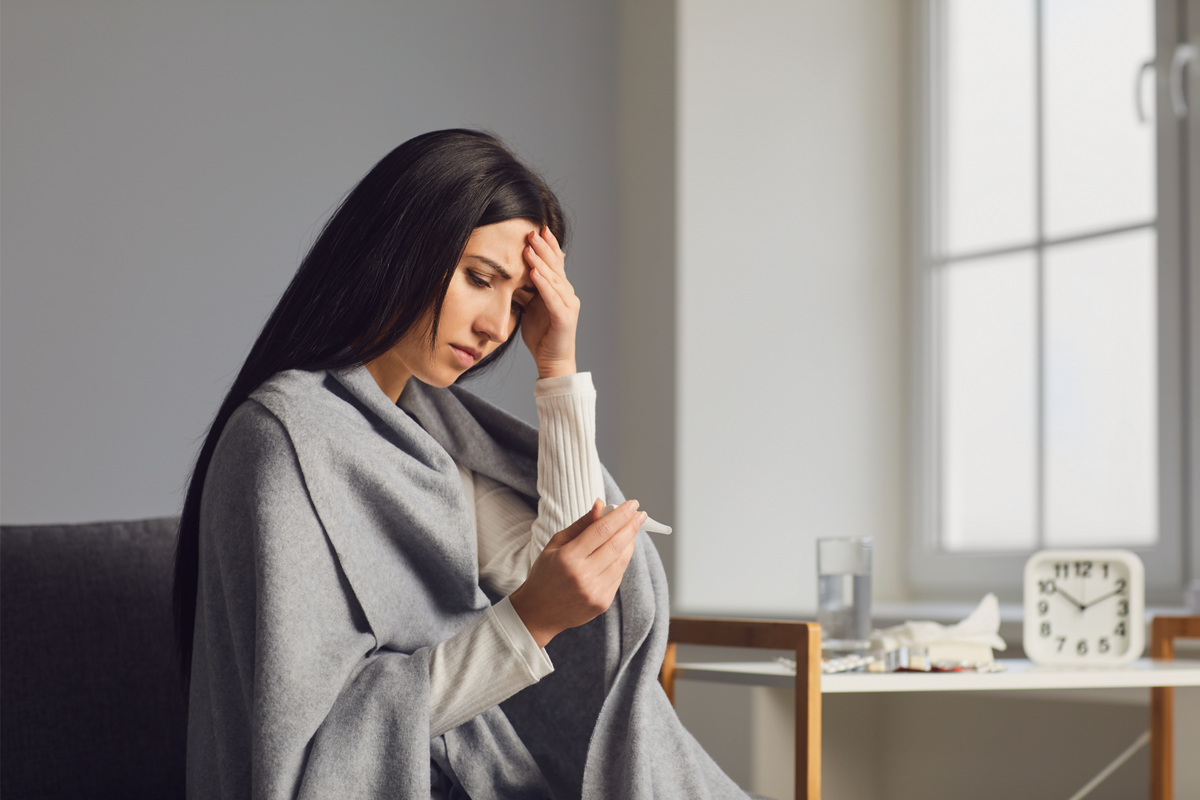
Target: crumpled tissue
pixel 973 639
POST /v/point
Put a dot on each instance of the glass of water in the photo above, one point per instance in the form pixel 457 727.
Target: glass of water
pixel 844 594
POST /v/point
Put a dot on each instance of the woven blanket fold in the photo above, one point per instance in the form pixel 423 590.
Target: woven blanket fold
pixel 336 551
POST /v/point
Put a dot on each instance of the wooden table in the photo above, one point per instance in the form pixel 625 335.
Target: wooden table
pixel 1018 674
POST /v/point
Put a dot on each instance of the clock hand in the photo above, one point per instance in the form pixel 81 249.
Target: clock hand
pixel 1102 597
pixel 1078 604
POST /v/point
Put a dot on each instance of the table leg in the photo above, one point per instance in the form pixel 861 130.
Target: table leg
pixel 1162 743
pixel 808 715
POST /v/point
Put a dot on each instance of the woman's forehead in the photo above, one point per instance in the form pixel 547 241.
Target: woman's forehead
pixel 501 246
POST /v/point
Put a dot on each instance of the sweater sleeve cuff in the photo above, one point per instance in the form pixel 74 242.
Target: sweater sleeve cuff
pixel 577 383
pixel 536 659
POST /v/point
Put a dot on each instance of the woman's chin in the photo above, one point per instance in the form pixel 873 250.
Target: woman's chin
pixel 443 378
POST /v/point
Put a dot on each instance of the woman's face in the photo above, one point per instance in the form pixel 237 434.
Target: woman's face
pixel 489 289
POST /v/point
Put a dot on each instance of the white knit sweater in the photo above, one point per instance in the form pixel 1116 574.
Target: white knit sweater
pixel 496 657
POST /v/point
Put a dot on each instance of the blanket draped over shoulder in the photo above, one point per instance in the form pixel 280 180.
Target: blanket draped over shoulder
pixel 336 551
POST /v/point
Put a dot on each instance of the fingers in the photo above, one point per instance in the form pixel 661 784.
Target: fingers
pixel 544 244
pixel 549 236
pixel 543 254
pixel 604 541
pixel 614 572
pixel 548 273
pixel 613 549
pixel 551 319
pixel 546 236
pixel 557 300
pixel 577 527
pixel 604 529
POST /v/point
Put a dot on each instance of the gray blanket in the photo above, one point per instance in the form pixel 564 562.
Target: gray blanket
pixel 336 550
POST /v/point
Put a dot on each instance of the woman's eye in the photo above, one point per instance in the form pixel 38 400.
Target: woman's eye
pixel 478 279
pixel 518 309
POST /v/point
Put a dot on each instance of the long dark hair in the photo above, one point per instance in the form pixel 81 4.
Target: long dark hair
pixel 385 257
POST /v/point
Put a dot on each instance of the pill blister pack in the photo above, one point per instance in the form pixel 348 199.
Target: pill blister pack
pixel 833 665
pixel 852 663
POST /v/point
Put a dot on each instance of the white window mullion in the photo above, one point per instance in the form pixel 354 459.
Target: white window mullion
pixel 1039 72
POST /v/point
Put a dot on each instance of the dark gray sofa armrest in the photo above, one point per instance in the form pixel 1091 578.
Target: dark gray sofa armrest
pixel 90 699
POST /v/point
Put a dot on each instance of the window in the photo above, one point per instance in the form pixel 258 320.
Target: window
pixel 1050 265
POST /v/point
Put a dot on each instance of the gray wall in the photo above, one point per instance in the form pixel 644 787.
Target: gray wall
pixel 791 298
pixel 165 166
pixel 647 279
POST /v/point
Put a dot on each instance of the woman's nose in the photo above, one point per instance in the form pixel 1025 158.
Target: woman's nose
pixel 496 322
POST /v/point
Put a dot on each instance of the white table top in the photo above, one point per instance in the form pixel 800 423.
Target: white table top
pixel 1018 674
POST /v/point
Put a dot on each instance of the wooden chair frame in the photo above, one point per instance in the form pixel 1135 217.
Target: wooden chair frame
pixel 1163 632
pixel 802 637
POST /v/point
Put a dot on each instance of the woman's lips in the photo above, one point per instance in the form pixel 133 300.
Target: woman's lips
pixel 466 356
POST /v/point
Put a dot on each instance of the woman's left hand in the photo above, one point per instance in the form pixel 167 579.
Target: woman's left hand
pixel 548 326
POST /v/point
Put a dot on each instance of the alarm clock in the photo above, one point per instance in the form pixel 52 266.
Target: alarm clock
pixel 1084 607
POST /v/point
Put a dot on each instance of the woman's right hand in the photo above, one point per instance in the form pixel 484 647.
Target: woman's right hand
pixel 577 575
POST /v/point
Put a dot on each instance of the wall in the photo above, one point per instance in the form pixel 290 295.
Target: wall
pixel 647 278
pixel 791 306
pixel 166 165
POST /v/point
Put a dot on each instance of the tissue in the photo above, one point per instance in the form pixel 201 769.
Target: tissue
pixel 971 640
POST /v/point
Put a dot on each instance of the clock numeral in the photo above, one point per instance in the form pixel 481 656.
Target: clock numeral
pixel 1083 569
pixel 1045 629
pixel 1062 570
pixel 1081 648
pixel 1120 631
pixel 1043 606
pixel 1106 570
pixel 1046 586
pixel 1123 608
pixel 1103 646
pixel 1120 586
pixel 1061 641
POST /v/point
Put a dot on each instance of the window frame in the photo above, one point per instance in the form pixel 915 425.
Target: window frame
pixel 935 572
pixel 1188 20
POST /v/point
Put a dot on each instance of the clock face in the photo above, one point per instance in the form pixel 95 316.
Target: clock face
pixel 1084 607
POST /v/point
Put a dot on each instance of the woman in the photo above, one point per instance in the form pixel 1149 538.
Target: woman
pixel 361 577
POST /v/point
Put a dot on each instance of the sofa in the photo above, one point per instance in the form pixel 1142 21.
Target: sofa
pixel 91 705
